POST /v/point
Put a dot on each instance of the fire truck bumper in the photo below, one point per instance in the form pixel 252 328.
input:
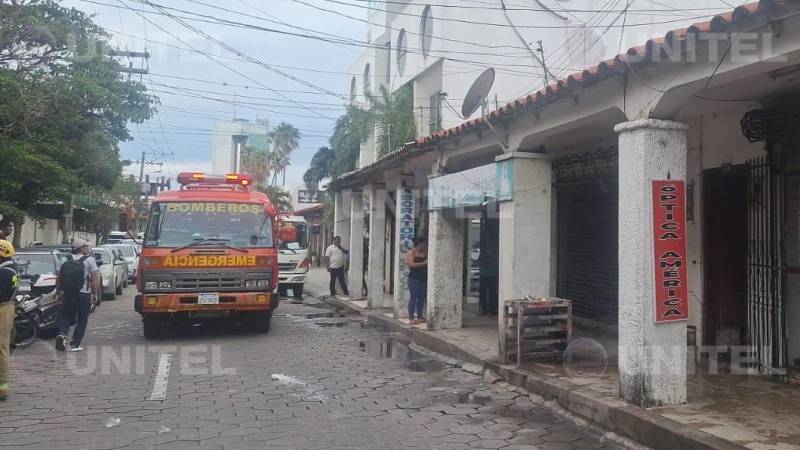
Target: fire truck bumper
pixel 228 303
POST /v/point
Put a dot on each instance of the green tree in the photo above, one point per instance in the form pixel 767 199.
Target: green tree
pixel 281 200
pixel 258 164
pixel 321 167
pixel 64 106
pixel 105 217
pixel 341 156
pixel 392 114
pixel 285 139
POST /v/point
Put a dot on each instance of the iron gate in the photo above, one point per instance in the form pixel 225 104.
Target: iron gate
pixel 766 313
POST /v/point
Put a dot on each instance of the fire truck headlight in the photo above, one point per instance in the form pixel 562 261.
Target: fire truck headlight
pixel 151 285
pixel 250 283
pixel 165 285
pixel 263 283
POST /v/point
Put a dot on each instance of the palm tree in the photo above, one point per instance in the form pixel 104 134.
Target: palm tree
pixel 257 164
pixel 392 114
pixel 280 199
pixel 285 139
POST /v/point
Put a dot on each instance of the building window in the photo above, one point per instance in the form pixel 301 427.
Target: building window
pixel 402 51
pixel 353 89
pixel 426 31
pixel 367 82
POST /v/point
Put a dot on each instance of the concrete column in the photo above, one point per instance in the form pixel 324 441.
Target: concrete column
pixel 652 357
pixel 341 221
pixel 377 247
pixel 445 269
pixel 405 219
pixel 525 231
pixel 356 273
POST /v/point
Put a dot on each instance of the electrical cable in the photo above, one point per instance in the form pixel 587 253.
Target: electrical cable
pixel 253 80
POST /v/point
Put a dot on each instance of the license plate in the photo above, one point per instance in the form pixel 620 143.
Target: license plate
pixel 208 299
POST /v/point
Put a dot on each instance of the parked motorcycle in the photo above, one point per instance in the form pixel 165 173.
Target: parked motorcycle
pixel 26 327
pixel 38 310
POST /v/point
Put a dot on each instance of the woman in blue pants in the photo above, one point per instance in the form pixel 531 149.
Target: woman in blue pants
pixel 417 262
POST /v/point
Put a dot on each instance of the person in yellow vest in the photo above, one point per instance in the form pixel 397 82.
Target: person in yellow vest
pixel 9 282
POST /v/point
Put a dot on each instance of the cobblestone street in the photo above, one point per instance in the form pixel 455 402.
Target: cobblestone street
pixel 313 382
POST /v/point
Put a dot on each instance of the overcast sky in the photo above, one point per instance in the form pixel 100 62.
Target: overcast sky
pixel 184 122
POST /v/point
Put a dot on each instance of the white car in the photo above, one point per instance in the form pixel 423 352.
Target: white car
pixel 112 271
pixel 115 237
pixel 131 254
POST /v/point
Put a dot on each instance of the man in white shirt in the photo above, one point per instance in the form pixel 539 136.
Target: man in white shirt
pixel 335 259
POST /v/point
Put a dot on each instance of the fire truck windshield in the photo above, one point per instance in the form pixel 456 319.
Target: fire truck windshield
pixel 178 224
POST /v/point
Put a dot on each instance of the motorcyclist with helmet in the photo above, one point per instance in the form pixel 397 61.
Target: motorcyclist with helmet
pixel 9 282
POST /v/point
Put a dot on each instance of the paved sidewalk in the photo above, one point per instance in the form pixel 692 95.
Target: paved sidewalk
pixel 477 345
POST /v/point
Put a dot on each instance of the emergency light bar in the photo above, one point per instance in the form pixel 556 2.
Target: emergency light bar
pixel 185 178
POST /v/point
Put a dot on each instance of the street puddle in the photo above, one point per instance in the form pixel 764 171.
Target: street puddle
pixel 390 347
pixel 309 396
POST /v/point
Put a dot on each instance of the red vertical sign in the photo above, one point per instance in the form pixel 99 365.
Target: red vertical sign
pixel 669 245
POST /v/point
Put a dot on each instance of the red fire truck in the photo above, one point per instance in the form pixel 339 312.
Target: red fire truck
pixel 209 251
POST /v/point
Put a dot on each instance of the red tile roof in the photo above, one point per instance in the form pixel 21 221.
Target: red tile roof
pixel 634 56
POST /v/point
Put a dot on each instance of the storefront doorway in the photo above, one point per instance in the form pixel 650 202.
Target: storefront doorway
pixel 481 254
pixel 725 229
pixel 588 271
pixel 586 187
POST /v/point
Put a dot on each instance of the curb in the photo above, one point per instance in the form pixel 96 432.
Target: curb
pixel 610 413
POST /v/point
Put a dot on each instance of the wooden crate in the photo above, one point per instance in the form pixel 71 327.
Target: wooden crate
pixel 545 331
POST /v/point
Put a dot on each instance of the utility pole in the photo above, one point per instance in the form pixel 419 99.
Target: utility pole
pixel 130 70
pixel 144 162
pixel 544 64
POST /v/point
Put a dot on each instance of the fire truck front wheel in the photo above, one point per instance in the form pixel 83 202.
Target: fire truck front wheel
pixel 260 321
pixel 153 327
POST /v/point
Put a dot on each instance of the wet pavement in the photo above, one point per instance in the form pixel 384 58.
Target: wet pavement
pixel 317 380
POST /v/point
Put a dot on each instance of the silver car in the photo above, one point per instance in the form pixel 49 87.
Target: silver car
pixel 131 255
pixel 113 271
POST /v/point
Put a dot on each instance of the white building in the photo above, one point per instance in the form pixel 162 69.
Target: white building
pixel 440 49
pixel 224 151
pixel 564 181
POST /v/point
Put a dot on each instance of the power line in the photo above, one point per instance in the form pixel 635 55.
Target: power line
pixel 243 55
pixel 501 25
pixel 510 8
pixel 223 64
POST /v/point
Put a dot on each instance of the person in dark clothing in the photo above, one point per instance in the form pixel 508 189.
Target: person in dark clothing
pixel 78 304
pixel 9 282
pixel 489 280
pixel 417 262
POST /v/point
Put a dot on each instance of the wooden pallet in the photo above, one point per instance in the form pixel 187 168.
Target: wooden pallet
pixel 545 332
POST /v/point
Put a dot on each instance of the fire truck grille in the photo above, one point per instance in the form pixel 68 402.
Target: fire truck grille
pixel 218 281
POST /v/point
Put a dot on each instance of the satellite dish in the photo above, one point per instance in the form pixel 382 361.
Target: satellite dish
pixel 477 93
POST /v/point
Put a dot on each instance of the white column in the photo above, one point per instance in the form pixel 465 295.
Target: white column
pixel 652 357
pixel 377 247
pixel 341 224
pixel 405 220
pixel 356 273
pixel 525 231
pixel 445 269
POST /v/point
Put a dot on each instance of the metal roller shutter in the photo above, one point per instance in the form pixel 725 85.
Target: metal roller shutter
pixel 587 215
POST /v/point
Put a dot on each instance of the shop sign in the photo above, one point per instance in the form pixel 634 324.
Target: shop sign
pixel 472 187
pixel 406 205
pixel 669 245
